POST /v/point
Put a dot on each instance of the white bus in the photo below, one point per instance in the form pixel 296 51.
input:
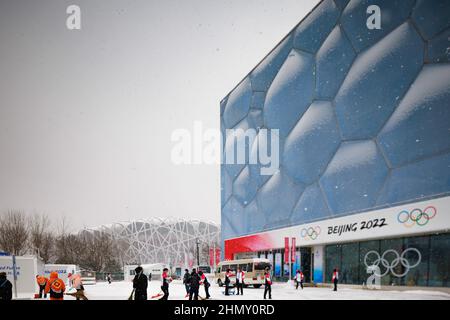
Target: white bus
pixel 253 268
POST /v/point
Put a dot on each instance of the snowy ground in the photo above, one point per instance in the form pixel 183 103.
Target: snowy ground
pixel 121 291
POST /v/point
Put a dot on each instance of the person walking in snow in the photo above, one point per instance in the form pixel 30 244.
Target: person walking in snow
pixel 194 285
pixel 140 283
pixel 267 284
pixel 299 277
pixel 240 276
pixel 335 279
pixel 187 281
pixel 109 278
pixel 204 281
pixel 166 279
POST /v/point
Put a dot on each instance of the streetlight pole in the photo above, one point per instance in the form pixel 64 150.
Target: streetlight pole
pixel 197 242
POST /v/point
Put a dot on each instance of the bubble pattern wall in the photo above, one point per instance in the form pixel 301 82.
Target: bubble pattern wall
pixel 363 116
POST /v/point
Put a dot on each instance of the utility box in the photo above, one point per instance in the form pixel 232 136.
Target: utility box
pixel 62 269
pixel 27 267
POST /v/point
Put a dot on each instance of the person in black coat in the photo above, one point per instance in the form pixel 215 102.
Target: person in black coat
pixel 194 285
pixel 187 281
pixel 140 283
pixel 5 287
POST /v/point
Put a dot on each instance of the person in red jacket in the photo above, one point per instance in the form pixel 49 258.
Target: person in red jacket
pixel 335 279
pixel 299 277
pixel 42 282
pixel 166 279
pixel 55 286
pixel 240 276
pixel 227 281
pixel 204 281
pixel 267 283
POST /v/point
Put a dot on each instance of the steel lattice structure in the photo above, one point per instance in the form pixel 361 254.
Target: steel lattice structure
pixel 161 240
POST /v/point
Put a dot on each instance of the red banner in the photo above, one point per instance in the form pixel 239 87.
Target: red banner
pixel 286 250
pixel 293 250
pixel 213 255
pixel 217 256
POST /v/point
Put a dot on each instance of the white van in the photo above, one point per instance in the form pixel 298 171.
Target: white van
pixel 253 268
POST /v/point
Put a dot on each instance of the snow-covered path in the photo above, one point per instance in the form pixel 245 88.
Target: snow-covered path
pixel 121 291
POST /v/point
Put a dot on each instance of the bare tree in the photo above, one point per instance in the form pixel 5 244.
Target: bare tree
pixel 100 251
pixel 41 239
pixel 14 232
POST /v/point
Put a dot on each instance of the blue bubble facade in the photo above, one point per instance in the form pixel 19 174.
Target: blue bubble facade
pixel 363 116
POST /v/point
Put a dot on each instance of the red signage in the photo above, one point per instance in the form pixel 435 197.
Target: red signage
pixel 213 255
pixel 293 250
pixel 286 250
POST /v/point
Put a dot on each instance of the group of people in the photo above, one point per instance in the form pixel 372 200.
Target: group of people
pixel 240 282
pixel 192 283
pixel 52 286
pixel 56 288
pixel 140 284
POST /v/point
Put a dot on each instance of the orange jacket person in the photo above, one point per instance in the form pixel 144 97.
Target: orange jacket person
pixel 42 282
pixel 55 286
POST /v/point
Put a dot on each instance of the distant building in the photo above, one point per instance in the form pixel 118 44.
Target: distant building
pixel 364 148
pixel 172 241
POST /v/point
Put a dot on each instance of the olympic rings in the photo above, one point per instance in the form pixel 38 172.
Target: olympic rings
pixel 390 266
pixel 310 233
pixel 416 216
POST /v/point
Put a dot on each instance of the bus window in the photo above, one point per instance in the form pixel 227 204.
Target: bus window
pixel 246 267
pixel 262 265
pixel 233 267
pixel 218 270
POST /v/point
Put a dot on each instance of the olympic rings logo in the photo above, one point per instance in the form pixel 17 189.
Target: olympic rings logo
pixel 310 233
pixel 391 265
pixel 416 216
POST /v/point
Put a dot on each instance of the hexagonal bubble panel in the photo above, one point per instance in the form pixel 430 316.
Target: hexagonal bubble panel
pixel 234 213
pixel 333 60
pixel 240 136
pixel 262 76
pixel 245 187
pixel 226 185
pixel 393 63
pixel 354 20
pixel 255 219
pixel 290 93
pixel 238 104
pixel 311 206
pixel 258 100
pixel 255 118
pixel 277 197
pixel 354 177
pixel 341 4
pixel 417 180
pixel 431 17
pixel 312 143
pixel 311 32
pixel 420 125
pixel 227 228
pixel 269 145
pixel 439 48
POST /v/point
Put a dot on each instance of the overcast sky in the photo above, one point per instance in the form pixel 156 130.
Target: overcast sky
pixel 86 116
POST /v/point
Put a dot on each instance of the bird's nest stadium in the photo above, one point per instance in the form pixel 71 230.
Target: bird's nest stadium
pixel 161 240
